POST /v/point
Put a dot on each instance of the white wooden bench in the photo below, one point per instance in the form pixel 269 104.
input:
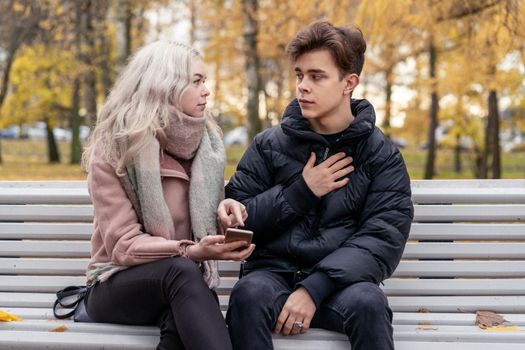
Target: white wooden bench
pixel 466 253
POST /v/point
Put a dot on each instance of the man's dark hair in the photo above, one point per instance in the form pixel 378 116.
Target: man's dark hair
pixel 346 45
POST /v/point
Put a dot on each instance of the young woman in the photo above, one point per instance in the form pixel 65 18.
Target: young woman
pixel 155 164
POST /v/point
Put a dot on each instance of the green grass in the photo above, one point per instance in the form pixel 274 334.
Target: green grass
pixel 27 160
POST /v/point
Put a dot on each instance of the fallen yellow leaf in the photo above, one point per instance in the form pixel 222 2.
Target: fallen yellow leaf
pixel 61 328
pixel 7 317
pixel 426 329
pixel 502 329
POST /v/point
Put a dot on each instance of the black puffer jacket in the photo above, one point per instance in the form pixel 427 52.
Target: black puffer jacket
pixel 353 234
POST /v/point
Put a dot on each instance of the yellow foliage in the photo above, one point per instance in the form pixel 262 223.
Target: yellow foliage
pixel 40 86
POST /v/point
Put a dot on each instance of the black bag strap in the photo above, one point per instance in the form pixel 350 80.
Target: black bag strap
pixel 76 293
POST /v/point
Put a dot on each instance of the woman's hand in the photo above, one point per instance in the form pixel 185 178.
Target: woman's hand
pixel 214 248
pixel 231 213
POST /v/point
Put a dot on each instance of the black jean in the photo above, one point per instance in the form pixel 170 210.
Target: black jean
pixel 170 293
pixel 360 311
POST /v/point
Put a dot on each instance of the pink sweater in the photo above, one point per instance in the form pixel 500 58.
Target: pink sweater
pixel 118 236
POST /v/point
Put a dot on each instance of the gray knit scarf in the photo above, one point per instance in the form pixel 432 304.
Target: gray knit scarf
pixel 190 137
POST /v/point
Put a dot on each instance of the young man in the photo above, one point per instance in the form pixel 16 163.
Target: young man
pixel 328 199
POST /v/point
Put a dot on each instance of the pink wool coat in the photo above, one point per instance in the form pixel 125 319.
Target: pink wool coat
pixel 118 236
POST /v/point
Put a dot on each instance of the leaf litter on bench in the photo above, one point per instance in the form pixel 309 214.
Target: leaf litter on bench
pixel 60 329
pixel 492 321
pixel 7 317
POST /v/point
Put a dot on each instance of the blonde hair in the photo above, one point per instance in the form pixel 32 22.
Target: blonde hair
pixel 144 98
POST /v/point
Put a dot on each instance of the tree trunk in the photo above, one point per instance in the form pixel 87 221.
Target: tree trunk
pixel 5 75
pixel 16 30
pixel 80 9
pixel 457 155
pixel 124 16
pixel 104 60
pixel 253 77
pixel 52 148
pixel 494 135
pixel 478 161
pixel 3 89
pixel 434 108
pixel 388 101
pixel 76 147
pixel 487 149
pixel 193 20
pixel 87 52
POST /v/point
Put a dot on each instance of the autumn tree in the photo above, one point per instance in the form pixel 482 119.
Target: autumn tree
pixel 19 24
pixel 41 89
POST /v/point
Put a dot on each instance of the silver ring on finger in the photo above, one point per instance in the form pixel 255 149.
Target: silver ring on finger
pixel 298 324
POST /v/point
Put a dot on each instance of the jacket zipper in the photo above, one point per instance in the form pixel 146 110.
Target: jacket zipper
pixel 326 153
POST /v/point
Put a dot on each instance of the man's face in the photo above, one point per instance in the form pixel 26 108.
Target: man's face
pixel 320 91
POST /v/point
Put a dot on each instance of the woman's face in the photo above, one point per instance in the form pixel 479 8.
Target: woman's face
pixel 193 99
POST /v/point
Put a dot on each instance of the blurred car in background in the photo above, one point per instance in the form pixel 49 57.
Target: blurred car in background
pixel 37 131
pixel 237 136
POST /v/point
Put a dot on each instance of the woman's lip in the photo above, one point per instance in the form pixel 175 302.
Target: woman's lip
pixel 304 101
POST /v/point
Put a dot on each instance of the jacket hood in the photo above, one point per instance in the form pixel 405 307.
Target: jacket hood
pixel 294 124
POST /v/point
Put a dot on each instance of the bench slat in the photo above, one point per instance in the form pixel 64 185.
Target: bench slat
pixel 393 286
pixel 77 213
pixel 79 249
pixel 46 266
pixel 419 231
pixel 468 183
pixel 31 230
pixel 35 266
pixel 423 191
pixel 83 327
pixel 84 341
pixel 460 250
pixel 422 213
pixel 44 196
pixel 449 319
pixel 400 318
pixel 400 304
pixel 458 304
pixel 515 195
pixel 461 231
pixel 470 339
pixel 44 184
pixel 80 195
pixel 454 304
pixel 413 250
pixel 458 268
pixel 448 213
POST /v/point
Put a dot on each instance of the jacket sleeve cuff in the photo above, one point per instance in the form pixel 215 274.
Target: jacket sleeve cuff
pixel 300 196
pixel 319 286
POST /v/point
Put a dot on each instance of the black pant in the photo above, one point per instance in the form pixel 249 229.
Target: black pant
pixel 360 311
pixel 170 293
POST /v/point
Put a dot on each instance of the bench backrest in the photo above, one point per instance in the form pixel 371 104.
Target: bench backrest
pixel 466 250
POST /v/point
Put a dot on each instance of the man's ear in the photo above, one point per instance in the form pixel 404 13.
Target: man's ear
pixel 351 81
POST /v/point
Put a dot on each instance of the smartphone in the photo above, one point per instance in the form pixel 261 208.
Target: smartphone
pixel 235 234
